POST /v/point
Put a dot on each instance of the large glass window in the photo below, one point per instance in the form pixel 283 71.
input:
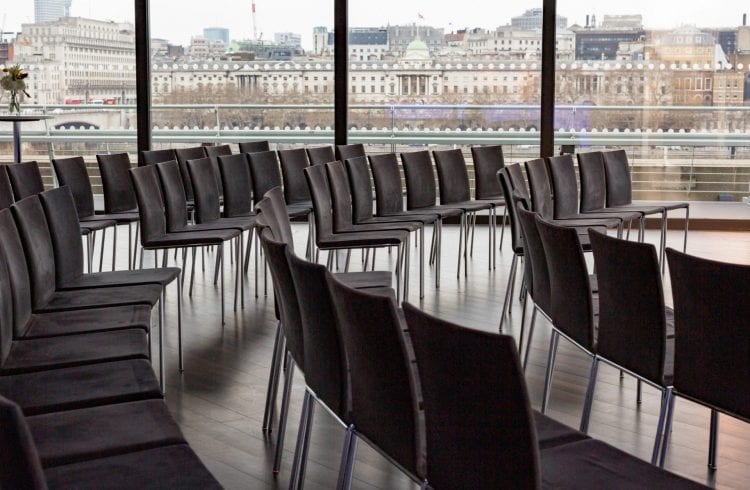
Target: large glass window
pixel 668 82
pixel 231 70
pixel 80 60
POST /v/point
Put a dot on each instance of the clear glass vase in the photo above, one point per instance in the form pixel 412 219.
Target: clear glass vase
pixel 15 103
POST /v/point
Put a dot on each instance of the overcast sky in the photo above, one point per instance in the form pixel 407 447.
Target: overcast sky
pixel 177 20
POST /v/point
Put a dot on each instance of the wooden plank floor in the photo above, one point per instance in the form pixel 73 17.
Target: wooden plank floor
pixel 218 400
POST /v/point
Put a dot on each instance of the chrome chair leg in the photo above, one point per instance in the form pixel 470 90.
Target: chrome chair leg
pixel 551 357
pixel 586 416
pixel 530 336
pixel 421 262
pixel 114 247
pixel 346 471
pixel 666 395
pixel 300 477
pixel 220 252
pixel 506 304
pixel 284 414
pixel 273 379
pixel 344 457
pixel 460 245
pixel 687 224
pixel 179 320
pixel 303 423
pixel 101 250
pixel 162 364
pixel 713 440
pixel 667 431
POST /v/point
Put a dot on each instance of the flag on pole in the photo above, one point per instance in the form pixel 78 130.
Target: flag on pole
pixel 420 16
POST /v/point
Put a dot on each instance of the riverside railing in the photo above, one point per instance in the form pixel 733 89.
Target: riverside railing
pixel 696 152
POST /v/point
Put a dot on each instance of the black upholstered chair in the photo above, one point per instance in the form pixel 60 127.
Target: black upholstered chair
pixel 154 234
pixel 264 168
pixel 572 303
pixel 296 193
pixel 100 452
pixel 208 210
pixel 491 442
pixel 516 241
pixel 254 146
pixel 712 346
pixel 183 155
pixel 119 196
pixel 237 185
pixel 542 202
pixel 389 200
pixel 421 194
pixel 345 152
pixel 518 181
pixel 214 152
pixel 453 177
pixel 343 222
pixel 635 329
pixel 620 194
pixel 320 154
pixel 151 157
pixel 6 189
pixel 26 179
pixel 327 239
pixel 385 403
pixel 72 172
pixel 488 160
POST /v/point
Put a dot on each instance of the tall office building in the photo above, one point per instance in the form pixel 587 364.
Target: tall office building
pixel 51 10
pixel 216 34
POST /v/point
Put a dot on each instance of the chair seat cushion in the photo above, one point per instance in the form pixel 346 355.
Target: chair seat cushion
pixel 144 294
pixel 58 323
pixel 668 205
pixel 192 238
pixel 494 201
pixel 162 276
pixel 551 433
pixel 415 215
pixel 362 239
pixel 394 221
pixel 84 386
pixel 609 213
pixel 442 211
pixel 236 223
pixel 158 468
pixel 75 350
pixel 97 432
pixel 470 206
pixel 95 225
pixel 125 217
pixel 366 280
pixel 596 465
pixel 404 225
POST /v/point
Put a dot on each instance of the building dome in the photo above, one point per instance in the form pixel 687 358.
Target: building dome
pixel 417 50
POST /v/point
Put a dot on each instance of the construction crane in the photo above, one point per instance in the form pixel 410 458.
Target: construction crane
pixel 255 24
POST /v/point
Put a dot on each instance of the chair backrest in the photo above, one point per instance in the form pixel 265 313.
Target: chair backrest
pixel 383 401
pixel 389 198
pixel 619 183
pixel 518 181
pixel 65 231
pixel 13 254
pixel 360 185
pixel 237 184
pixel 207 204
pixel 264 168
pixel 564 185
pixel 7 326
pixel 151 157
pixel 453 176
pixel 150 203
pixel 540 188
pixel 293 162
pixel 281 215
pixel 571 302
pixel 341 196
pixel 320 154
pixel 26 179
pixel 214 152
pixel 480 431
pixel 285 294
pixel 712 331
pixel 321 200
pixel 345 152
pixel 20 466
pixel 175 200
pixel 119 195
pixel 72 172
pixel 6 189
pixel 254 146
pixel 325 361
pixel 593 180
pixel 37 246
pixel 420 179
pixel 265 217
pixel 632 323
pixel 488 160
pixel 515 227
pixel 537 260
pixel 183 155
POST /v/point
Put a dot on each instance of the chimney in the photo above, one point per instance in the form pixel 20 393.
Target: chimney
pixel 744 19
pixel 587 20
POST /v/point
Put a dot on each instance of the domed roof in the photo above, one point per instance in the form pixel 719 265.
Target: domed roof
pixel 417 50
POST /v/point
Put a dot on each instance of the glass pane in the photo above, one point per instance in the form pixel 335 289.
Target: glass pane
pixel 231 71
pixel 433 76
pixel 669 83
pixel 80 61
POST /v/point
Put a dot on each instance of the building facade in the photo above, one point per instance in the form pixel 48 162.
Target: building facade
pixel 51 10
pixel 216 34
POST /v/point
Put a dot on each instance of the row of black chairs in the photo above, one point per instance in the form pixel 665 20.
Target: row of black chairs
pixel 80 405
pixel 445 404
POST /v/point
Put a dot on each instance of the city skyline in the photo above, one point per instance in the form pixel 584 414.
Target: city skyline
pixel 274 17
